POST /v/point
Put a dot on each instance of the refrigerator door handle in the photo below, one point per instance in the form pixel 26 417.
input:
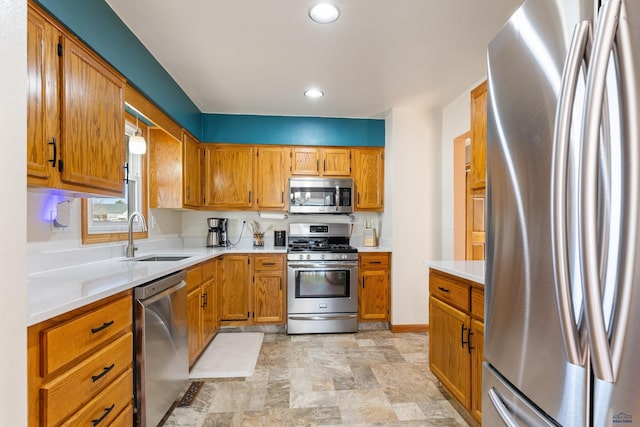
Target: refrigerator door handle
pixel 578 52
pixel 588 190
pixel 501 408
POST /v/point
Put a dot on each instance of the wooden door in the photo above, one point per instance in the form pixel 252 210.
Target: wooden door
pixel 449 360
pixel 336 162
pixel 208 310
pixel 374 295
pixel 165 170
pixel 229 176
pixel 43 109
pixel 191 171
pixel 305 161
pixel 368 177
pixel 478 136
pixel 268 297
pixel 475 225
pixel 235 287
pixel 194 319
pixel 92 153
pixel 477 357
pixel 271 177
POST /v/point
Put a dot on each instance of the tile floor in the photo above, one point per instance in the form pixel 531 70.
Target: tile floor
pixel 372 378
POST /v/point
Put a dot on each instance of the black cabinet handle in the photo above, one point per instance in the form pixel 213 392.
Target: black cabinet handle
pixel 462 336
pixel 249 196
pixel 375 262
pixel 106 412
pixel 269 263
pixel 104 372
pixel 55 152
pixel 203 297
pixel 105 325
pixel 317 165
pixel 469 333
pixel 443 289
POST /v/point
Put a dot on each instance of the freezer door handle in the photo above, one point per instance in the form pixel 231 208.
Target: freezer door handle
pixel 501 408
pixel 578 54
pixel 590 262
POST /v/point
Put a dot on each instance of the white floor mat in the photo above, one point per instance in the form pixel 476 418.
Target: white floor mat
pixel 230 355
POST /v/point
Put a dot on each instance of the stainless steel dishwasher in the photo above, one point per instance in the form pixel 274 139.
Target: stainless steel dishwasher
pixel 161 356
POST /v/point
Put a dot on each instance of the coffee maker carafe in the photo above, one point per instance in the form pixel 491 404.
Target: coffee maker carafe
pixel 217 235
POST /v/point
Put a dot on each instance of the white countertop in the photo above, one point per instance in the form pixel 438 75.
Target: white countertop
pixel 470 270
pixel 54 292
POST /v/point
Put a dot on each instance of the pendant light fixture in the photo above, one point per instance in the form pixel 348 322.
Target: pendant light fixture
pixel 137 143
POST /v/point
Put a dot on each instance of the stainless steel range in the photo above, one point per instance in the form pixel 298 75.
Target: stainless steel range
pixel 322 279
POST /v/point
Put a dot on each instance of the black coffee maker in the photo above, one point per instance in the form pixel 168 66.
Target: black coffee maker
pixel 217 235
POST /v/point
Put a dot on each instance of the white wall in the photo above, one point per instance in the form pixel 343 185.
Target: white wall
pixel 13 72
pixel 413 142
pixel 456 120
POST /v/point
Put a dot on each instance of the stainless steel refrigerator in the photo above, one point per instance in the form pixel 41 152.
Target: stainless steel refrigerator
pixel 562 327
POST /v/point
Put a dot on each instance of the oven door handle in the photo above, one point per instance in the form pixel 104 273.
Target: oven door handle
pixel 323 317
pixel 324 265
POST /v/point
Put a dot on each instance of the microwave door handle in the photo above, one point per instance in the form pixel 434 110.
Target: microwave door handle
pixel 337 195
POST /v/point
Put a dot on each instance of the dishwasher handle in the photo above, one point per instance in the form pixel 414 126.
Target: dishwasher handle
pixel 152 291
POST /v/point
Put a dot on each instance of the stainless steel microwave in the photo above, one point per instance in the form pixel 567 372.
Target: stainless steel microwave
pixel 321 195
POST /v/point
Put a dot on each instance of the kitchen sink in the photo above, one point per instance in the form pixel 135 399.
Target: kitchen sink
pixel 156 258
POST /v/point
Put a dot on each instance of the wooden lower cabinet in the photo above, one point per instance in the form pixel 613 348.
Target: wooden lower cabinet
pixel 253 289
pixel 80 365
pixel 374 288
pixel 456 336
pixel 202 316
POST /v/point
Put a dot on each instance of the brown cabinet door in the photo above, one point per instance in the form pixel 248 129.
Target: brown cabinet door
pixel 229 176
pixel 191 171
pixel 208 310
pixel 235 287
pixel 336 162
pixel 42 98
pixel 267 297
pixel 478 136
pixel 475 225
pixel 477 356
pixel 165 170
pixel 374 295
pixel 93 149
pixel 305 161
pixel 449 357
pixel 271 177
pixel 368 177
pixel 194 319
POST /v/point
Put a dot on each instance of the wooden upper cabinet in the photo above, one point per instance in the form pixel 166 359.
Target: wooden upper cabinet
pixel 75 137
pixel 321 161
pixel 192 171
pixel 229 176
pixel 271 177
pixel 43 115
pixel 368 177
pixel 478 136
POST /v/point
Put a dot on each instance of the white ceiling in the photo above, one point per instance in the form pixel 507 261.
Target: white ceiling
pixel 259 56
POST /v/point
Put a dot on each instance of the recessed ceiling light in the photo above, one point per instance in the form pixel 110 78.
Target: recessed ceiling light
pixel 324 13
pixel 313 93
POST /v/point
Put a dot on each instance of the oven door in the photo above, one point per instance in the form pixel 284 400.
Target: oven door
pixel 322 287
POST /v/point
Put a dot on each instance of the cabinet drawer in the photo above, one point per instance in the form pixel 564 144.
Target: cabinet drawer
pixel 208 270
pixel 66 393
pixel 374 260
pixel 456 294
pixel 477 303
pixel 63 343
pixel 106 406
pixel 125 419
pixel 269 263
pixel 194 277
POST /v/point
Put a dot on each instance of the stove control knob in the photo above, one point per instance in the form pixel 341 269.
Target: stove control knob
pixel 343 256
pixel 322 256
pixel 301 256
pixel 308 256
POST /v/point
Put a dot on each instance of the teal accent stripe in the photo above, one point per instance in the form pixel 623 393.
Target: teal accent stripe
pixel 285 130
pixel 98 26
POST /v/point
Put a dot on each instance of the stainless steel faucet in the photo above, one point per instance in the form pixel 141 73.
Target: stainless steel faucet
pixel 131 250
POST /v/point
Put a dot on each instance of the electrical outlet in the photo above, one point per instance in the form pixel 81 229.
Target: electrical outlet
pixel 352 219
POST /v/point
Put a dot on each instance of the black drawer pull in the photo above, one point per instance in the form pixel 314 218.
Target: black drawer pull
pixel 443 289
pixel 55 152
pixel 469 347
pixel 375 262
pixel 271 264
pixel 462 336
pixel 104 372
pixel 105 325
pixel 106 413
